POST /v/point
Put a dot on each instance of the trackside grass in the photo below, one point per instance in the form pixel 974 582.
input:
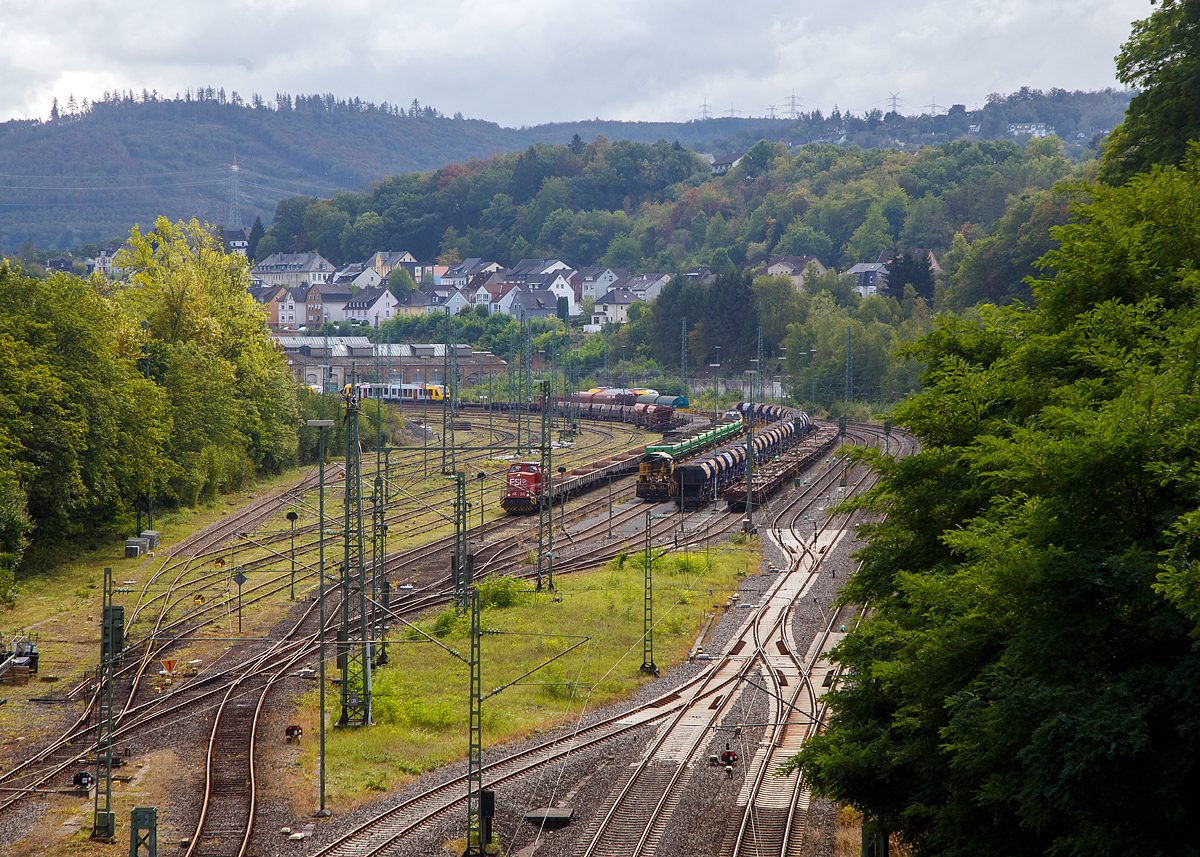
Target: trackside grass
pixel 421 696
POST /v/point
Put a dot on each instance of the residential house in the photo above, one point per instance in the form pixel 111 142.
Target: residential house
pixel 445 299
pixel 415 302
pixel 460 275
pixel 359 275
pixel 613 307
pixel 724 163
pixel 501 301
pixel 293 307
pixel 796 268
pixel 870 278
pixel 235 241
pixel 61 263
pixel 557 283
pixel 702 274
pixel 293 269
pixel 103 260
pixel 327 303
pixel 592 282
pixel 268 299
pixel 645 287
pixel 371 306
pixel 527 268
pixel 384 262
pixel 1033 129
pixel 432 274
pixel 533 303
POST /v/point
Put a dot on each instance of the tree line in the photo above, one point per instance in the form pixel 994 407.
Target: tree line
pixel 165 385
pixel 1025 679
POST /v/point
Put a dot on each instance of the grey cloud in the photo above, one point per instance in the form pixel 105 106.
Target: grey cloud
pixel 529 61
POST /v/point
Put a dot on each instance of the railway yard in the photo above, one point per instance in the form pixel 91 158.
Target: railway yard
pixel 645 775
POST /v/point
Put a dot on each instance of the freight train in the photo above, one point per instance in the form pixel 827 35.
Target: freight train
pixel 699 481
pixel 525 482
pixel 655 480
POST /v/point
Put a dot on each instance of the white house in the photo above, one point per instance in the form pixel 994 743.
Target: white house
pixel 371 306
pixel 795 267
pixel 557 283
pixel 593 282
pixel 359 275
pixel 613 307
pixel 870 278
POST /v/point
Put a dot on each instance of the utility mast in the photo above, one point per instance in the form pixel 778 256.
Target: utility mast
pixel 354 638
pixel 793 105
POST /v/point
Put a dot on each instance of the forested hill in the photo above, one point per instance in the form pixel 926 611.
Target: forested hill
pixel 93 171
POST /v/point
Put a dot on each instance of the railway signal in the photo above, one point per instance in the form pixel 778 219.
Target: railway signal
pixel 239 579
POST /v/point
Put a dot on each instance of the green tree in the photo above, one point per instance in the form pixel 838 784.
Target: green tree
pixel 231 395
pixel 1162 61
pixel 870 239
pixel 257 231
pixel 400 283
pixel 1025 682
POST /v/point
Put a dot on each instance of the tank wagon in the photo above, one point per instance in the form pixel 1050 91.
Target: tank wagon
pixel 655 474
pixel 699 482
pixel 677 402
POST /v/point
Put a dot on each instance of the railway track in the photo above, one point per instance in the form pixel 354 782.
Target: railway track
pixel 397 830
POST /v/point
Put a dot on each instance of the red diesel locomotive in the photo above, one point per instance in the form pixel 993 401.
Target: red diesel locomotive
pixel 522 487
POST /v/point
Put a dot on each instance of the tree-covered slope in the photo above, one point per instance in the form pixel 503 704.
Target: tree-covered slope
pixel 91 172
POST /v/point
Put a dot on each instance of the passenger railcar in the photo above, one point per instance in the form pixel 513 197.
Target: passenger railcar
pixel 414 393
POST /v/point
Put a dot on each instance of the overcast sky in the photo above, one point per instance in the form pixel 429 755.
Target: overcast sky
pixel 532 61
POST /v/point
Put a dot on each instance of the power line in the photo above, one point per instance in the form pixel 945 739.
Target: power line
pixel 705 113
pixel 896 99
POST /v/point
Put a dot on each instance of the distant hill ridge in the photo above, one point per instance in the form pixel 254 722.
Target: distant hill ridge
pixel 90 174
pixel 92 171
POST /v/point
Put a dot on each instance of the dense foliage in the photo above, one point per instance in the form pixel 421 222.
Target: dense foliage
pixel 1162 59
pixel 85 435
pixel 1027 681
pixel 659 208
pixel 95 169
